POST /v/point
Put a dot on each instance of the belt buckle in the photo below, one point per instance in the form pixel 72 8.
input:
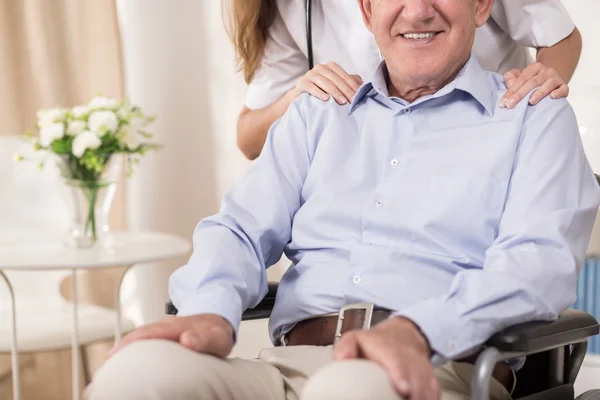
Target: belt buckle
pixel 368 307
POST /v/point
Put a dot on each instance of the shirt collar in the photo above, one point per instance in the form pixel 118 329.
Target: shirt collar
pixel 472 79
pixel 376 84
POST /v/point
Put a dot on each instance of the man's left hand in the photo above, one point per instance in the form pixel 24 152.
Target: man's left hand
pixel 399 347
pixel 536 75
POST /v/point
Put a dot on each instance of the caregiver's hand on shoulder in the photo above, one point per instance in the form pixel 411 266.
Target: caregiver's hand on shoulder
pixel 536 75
pixel 328 79
pixel 399 347
pixel 204 333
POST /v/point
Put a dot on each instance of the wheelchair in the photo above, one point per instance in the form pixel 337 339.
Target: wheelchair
pixel 554 350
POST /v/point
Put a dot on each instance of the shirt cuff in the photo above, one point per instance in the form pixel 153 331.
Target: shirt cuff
pixel 212 300
pixel 448 335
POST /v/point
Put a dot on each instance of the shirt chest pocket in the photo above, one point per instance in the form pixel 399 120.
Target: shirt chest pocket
pixel 455 184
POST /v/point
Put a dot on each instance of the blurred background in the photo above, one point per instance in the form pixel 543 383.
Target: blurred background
pixel 173 59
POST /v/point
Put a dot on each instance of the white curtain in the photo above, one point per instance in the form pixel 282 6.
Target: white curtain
pixel 179 65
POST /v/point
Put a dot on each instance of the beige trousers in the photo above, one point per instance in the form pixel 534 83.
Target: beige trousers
pixel 163 370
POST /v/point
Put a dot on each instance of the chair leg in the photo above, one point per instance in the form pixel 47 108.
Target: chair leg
pixel 84 365
pixel 557 367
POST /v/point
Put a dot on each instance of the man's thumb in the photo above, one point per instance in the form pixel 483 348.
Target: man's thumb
pixel 192 340
pixel 347 348
pixel 210 341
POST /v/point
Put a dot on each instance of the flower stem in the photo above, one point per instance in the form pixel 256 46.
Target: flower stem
pixel 91 222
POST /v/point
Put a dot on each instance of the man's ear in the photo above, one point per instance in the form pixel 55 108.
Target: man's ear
pixel 367 12
pixel 482 11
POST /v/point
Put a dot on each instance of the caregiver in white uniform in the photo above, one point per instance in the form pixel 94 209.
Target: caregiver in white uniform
pixel 270 41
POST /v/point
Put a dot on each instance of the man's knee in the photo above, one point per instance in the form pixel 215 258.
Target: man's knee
pixel 154 370
pixel 350 380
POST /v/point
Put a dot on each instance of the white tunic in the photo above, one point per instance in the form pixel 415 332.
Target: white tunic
pixel 339 35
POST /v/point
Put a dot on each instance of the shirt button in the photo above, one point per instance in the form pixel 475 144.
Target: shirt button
pixel 394 162
pixel 379 203
pixel 452 345
pixel 356 279
pixel 407 110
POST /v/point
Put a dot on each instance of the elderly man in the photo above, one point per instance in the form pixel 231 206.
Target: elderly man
pixel 423 197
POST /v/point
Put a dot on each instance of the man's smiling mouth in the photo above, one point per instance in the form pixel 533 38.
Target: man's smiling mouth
pixel 419 35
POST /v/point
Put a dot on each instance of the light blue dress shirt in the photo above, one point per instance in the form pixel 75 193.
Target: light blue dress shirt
pixel 453 212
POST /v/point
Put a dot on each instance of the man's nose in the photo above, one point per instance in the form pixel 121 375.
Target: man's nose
pixel 416 11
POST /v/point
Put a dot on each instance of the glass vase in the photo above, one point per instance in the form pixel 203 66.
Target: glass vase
pixel 89 203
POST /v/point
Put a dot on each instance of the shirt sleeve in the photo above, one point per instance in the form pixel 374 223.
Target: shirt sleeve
pixel 530 271
pixel 227 271
pixel 533 23
pixel 281 66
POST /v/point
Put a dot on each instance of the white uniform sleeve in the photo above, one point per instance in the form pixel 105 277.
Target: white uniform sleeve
pixel 533 23
pixel 282 65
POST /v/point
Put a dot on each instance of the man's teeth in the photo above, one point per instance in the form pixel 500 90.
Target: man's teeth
pixel 419 35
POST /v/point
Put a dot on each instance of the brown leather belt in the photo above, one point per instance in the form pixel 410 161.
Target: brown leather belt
pixel 322 331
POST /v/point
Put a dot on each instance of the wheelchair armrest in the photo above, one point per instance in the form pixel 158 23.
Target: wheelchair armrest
pixel 262 310
pixel 170 308
pixel 572 326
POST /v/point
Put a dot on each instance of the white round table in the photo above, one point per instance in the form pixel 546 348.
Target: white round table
pixel 37 254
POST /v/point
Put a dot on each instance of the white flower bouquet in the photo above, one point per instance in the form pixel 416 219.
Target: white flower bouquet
pixel 88 141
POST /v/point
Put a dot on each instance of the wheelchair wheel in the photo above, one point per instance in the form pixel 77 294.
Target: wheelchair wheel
pixel 589 395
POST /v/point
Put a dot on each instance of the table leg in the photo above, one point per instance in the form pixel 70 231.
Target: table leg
pixel 119 323
pixel 75 338
pixel 13 350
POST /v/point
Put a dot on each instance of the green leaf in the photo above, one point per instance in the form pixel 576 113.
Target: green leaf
pixel 61 146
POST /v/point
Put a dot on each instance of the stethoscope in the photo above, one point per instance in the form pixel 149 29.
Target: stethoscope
pixel 309 47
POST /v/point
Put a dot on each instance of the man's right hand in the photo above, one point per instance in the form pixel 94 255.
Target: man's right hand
pixel 204 333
